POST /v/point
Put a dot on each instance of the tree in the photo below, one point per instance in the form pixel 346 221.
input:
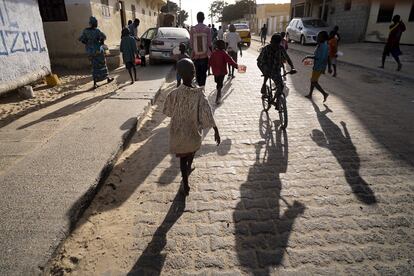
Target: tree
pixel 182 17
pixel 170 7
pixel 216 10
pixel 238 10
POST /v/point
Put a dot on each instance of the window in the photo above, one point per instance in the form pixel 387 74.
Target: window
pixel 348 4
pixel 411 17
pixel 133 11
pixel 53 10
pixel 143 11
pixel 105 8
pixel 385 12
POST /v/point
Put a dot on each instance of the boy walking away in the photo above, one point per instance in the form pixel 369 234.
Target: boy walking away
pixel 319 65
pixel 200 40
pixel 129 51
pixel 233 41
pixel 333 53
pixel 263 34
pixel 190 112
pixel 180 56
pixel 218 62
pixel 142 54
pixel 393 43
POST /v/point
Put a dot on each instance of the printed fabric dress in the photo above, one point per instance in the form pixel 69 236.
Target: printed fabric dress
pixel 190 113
pixel 93 38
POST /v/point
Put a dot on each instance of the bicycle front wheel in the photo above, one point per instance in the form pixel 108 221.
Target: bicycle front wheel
pixel 267 99
pixel 283 115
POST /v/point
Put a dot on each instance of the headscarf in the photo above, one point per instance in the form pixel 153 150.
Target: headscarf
pixel 93 22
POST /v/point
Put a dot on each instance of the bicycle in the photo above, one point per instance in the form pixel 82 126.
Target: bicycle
pixel 279 103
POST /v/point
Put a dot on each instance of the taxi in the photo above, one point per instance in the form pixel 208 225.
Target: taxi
pixel 244 31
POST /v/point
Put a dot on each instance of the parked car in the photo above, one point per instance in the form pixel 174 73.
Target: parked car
pixel 305 30
pixel 160 42
pixel 244 31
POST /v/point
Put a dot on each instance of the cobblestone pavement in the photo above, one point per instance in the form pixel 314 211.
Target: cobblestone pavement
pixel 333 195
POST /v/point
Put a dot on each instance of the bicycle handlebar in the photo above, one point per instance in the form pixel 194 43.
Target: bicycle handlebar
pixel 291 72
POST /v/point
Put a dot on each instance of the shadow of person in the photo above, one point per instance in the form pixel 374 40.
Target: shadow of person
pixel 152 260
pixel 225 93
pixel 262 230
pixel 170 173
pixel 341 146
pixel 68 110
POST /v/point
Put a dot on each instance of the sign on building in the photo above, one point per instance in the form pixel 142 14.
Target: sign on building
pixel 23 52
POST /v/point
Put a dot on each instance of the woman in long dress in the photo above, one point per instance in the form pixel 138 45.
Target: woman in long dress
pixel 93 39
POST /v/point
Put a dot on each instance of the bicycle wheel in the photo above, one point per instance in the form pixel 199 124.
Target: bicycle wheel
pixel 283 115
pixel 267 99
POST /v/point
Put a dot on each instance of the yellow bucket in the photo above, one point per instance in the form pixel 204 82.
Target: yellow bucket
pixel 52 80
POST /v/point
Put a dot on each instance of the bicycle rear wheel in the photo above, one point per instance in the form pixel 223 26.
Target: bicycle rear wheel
pixel 283 115
pixel 267 99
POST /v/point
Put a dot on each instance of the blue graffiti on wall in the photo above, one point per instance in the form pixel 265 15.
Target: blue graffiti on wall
pixel 13 40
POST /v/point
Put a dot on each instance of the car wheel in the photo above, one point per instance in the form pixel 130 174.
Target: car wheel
pixel 302 40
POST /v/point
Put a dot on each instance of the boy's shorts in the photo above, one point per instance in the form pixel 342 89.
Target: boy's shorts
pixel 315 76
pixel 233 55
pixel 333 60
pixel 220 81
pixel 129 64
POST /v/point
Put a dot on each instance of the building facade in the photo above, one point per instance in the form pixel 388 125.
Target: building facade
pixel 24 54
pixel 359 20
pixel 380 17
pixel 64 20
pixel 275 16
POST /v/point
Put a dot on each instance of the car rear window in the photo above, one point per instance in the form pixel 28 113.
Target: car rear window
pixel 241 26
pixel 315 23
pixel 173 32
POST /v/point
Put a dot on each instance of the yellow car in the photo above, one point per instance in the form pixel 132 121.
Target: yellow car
pixel 244 31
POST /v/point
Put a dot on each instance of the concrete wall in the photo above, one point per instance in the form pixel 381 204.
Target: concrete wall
pixel 23 51
pixel 276 16
pixel 352 23
pixel 378 32
pixel 62 37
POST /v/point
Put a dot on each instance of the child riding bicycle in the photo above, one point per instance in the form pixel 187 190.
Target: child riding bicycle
pixel 270 61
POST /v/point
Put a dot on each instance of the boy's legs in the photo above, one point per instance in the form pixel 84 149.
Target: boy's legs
pixel 219 80
pixel 397 59
pixel 315 84
pixel 135 71
pixel 329 65
pixel 129 65
pixel 184 173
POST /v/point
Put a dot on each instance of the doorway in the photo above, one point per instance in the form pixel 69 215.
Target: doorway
pixel 123 14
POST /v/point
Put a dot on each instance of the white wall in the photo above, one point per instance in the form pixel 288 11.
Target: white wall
pixel 378 32
pixel 23 51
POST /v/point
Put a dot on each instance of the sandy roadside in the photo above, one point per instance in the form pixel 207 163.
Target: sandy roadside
pixel 106 230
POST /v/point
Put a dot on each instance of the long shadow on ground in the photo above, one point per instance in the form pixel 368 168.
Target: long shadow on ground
pixel 262 230
pixel 341 146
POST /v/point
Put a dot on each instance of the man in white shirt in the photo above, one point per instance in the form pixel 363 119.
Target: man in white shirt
pixel 220 33
pixel 233 44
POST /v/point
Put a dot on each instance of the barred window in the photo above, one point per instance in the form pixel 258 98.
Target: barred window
pixel 385 12
pixel 105 8
pixel 143 11
pixel 53 10
pixel 133 11
pixel 348 4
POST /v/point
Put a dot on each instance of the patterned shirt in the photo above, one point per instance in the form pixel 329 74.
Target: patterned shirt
pixel 200 41
pixel 190 112
pixel 270 61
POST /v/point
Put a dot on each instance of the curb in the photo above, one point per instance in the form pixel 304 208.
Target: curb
pixel 373 70
pixel 83 203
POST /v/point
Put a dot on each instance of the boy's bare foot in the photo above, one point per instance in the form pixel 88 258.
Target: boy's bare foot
pixel 110 80
pixel 309 96
pixel 325 96
pixel 382 66
pixel 334 75
pixel 399 67
pixel 132 82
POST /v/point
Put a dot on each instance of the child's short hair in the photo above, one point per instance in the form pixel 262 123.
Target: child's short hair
pixel 283 34
pixel 332 34
pixel 220 44
pixel 324 35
